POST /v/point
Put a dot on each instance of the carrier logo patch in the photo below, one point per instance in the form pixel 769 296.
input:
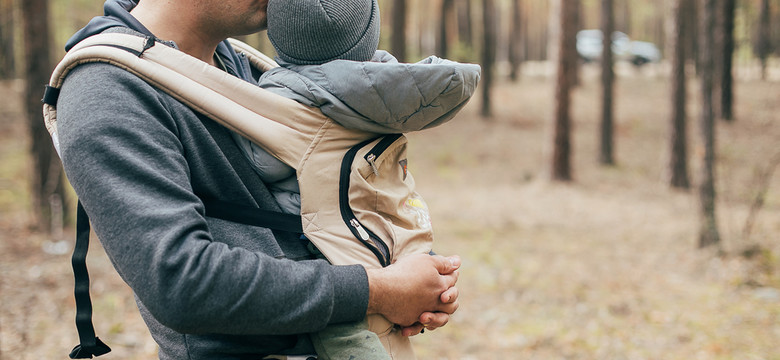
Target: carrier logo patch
pixel 403 167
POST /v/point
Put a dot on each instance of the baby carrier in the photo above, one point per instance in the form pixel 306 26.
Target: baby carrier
pixel 358 203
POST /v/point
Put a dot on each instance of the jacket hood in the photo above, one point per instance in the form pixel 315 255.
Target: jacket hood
pixel 381 95
pixel 116 13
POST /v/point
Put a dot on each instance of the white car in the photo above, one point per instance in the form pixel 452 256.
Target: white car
pixel 589 47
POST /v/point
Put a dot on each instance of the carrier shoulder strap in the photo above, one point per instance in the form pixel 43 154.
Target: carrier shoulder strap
pixel 204 93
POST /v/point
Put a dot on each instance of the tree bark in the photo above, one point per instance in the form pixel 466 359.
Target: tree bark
pixel 47 180
pixel 726 64
pixel 488 54
pixel 708 230
pixel 447 8
pixel 607 81
pixel 515 40
pixel 398 36
pixel 465 27
pixel 678 164
pixel 7 53
pixel 561 162
pixel 763 37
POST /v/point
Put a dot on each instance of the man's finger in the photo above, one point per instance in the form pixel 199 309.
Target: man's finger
pixel 450 295
pixel 432 321
pixel 446 265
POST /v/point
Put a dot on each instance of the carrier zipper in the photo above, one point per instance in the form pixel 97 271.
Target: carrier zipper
pixel 378 149
pixel 366 236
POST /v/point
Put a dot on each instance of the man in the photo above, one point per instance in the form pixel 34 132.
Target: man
pixel 141 162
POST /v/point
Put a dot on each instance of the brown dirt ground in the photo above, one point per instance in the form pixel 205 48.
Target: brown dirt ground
pixel 605 267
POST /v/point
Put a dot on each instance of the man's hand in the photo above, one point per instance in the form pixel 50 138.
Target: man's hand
pixel 416 291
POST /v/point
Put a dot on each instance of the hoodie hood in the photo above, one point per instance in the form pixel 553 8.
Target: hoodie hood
pixel 116 13
pixel 380 96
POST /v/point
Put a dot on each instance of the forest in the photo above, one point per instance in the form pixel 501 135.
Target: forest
pixel 609 202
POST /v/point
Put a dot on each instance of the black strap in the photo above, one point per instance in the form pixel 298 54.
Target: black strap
pixel 253 216
pixel 89 344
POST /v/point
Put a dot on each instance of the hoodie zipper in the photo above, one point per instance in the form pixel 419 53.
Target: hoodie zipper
pixel 362 233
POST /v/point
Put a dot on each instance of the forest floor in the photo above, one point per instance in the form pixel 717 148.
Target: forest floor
pixel 603 267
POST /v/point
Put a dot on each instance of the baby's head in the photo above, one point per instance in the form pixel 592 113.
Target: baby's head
pixel 310 32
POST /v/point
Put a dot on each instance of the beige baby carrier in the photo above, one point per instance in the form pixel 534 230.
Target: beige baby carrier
pixel 358 203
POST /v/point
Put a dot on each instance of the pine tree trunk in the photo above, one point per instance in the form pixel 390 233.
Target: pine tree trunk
pixel 7 53
pixel 398 37
pixel 443 40
pixel 727 46
pixel 678 165
pixel 488 54
pixel 561 162
pixel 607 81
pixel 708 231
pixel 47 181
pixel 465 27
pixel 763 37
pixel 515 40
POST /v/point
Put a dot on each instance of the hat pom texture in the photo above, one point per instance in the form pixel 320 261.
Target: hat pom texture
pixel 311 32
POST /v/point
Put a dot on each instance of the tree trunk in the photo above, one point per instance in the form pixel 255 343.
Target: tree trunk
pixel 561 162
pixel 447 8
pixel 465 27
pixel 488 54
pixel 515 40
pixel 726 64
pixel 678 164
pixel 763 37
pixel 398 37
pixel 47 180
pixel 7 53
pixel 708 231
pixel 607 81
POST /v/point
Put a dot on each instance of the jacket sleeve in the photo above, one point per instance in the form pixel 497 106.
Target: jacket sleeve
pixel 122 152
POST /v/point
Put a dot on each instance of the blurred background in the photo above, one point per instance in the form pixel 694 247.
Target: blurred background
pixel 609 202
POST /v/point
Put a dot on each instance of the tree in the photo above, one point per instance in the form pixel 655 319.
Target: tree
pixel 515 37
pixel 561 162
pixel 708 230
pixel 678 164
pixel 398 37
pixel 488 54
pixel 7 53
pixel 607 81
pixel 763 37
pixel 447 11
pixel 48 188
pixel 465 28
pixel 726 41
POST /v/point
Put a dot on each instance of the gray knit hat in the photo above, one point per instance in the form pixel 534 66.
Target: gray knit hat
pixel 310 32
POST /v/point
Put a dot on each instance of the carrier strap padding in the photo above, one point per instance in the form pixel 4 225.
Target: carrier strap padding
pixel 89 344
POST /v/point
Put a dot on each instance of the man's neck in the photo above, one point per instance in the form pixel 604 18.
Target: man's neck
pixel 177 23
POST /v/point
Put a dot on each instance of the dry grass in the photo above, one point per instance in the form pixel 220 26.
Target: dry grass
pixel 605 267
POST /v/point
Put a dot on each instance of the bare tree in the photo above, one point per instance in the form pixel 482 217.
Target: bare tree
pixel 447 11
pixel 398 36
pixel 47 181
pixel 708 230
pixel 763 37
pixel 515 37
pixel 465 27
pixel 561 162
pixel 7 53
pixel 678 164
pixel 607 81
pixel 726 41
pixel 488 54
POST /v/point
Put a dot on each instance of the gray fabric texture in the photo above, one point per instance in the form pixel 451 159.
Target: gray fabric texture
pixel 207 288
pixel 318 31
